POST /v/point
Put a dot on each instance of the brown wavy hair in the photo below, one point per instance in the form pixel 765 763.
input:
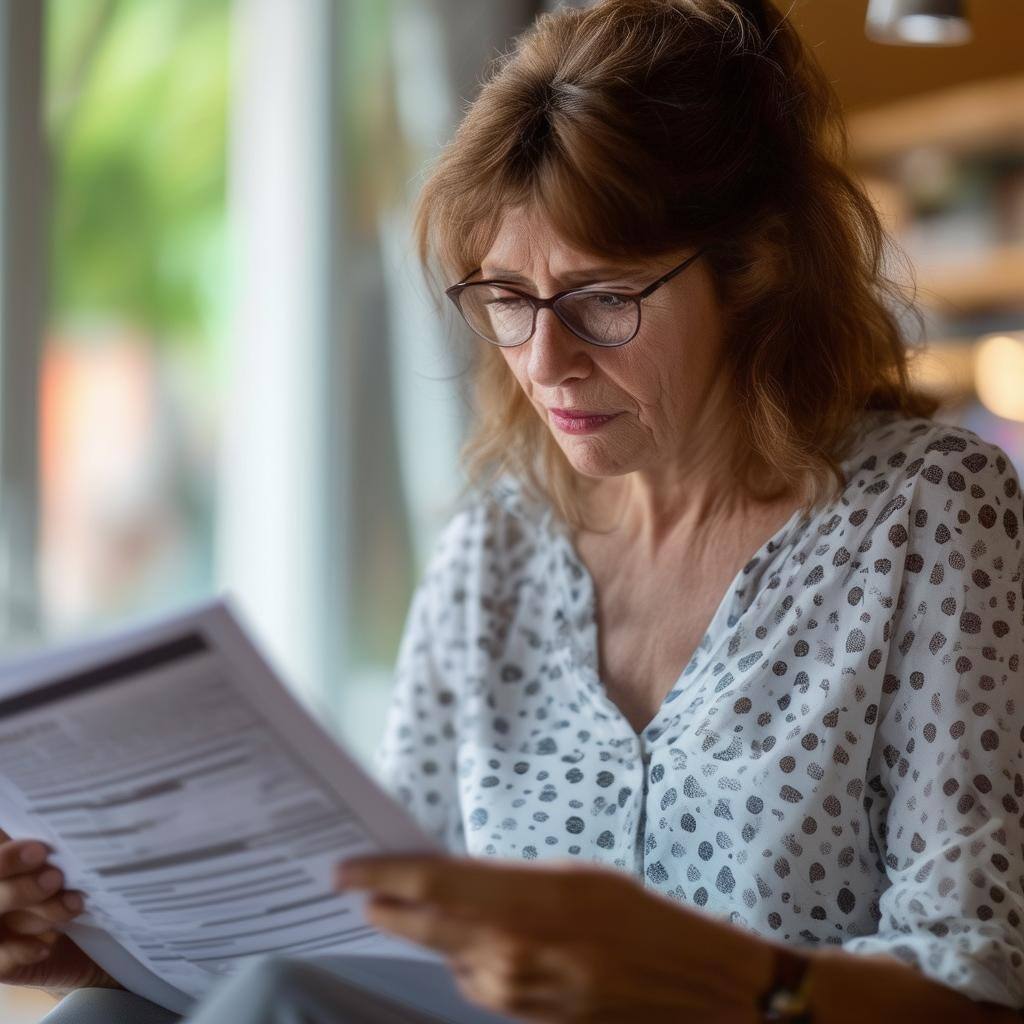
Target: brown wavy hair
pixel 640 127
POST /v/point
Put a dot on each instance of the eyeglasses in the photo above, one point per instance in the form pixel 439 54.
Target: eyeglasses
pixel 507 317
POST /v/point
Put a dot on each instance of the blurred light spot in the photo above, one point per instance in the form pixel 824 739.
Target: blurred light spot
pixel 999 374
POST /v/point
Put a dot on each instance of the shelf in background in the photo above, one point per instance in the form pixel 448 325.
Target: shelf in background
pixel 989 280
pixel 962 119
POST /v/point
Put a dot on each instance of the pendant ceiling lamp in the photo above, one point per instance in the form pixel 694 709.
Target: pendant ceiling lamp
pixel 918 22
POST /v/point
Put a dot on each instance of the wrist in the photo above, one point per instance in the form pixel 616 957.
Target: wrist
pixel 785 995
pixel 760 965
pixel 752 969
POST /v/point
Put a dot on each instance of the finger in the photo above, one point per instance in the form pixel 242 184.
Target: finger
pixel 469 884
pixel 516 960
pixel 58 910
pixel 468 945
pixel 525 998
pixel 422 923
pixel 16 952
pixel 394 874
pixel 19 858
pixel 35 928
pixel 25 891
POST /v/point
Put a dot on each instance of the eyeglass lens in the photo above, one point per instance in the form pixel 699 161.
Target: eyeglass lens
pixel 505 318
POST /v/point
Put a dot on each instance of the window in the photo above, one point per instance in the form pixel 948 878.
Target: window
pixel 136 120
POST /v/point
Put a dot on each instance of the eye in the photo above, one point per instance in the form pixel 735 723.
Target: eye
pixel 605 301
pixel 505 303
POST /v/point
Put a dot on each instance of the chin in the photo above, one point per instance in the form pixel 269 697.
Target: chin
pixel 592 458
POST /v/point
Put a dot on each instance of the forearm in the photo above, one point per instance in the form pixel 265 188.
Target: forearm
pixel 841 987
pixel 847 988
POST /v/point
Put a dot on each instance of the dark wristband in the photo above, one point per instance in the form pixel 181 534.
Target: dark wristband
pixel 788 998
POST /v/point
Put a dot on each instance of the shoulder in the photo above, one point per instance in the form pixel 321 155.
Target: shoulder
pixel 935 483
pixel 896 447
pixel 956 468
pixel 949 538
pixel 941 453
pixel 494 531
pixel 961 490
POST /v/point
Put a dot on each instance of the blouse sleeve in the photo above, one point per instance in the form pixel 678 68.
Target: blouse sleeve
pixel 415 756
pixel 944 790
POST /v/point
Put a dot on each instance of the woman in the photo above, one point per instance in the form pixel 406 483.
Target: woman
pixel 729 630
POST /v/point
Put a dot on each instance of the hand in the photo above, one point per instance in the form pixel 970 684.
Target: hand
pixel 563 942
pixel 34 906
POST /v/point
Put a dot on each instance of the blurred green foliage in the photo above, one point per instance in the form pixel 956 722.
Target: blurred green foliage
pixel 136 113
pixel 371 137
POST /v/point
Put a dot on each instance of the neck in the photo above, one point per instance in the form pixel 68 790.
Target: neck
pixel 699 491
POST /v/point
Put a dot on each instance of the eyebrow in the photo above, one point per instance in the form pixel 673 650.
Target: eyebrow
pixel 585 276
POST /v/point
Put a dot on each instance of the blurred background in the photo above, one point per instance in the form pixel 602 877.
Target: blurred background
pixel 219 368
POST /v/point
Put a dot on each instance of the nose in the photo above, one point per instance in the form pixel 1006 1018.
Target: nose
pixel 556 356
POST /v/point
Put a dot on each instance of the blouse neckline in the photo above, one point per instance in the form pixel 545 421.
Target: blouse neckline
pixel 579 593
pixel 581 596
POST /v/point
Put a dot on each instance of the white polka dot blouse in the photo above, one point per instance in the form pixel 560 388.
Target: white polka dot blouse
pixel 840 761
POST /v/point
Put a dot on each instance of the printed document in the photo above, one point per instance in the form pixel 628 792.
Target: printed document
pixel 201 810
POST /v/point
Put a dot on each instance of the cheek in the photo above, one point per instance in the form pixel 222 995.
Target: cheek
pixel 661 369
pixel 641 375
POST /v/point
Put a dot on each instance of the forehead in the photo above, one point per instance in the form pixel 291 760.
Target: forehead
pixel 526 246
pixel 524 235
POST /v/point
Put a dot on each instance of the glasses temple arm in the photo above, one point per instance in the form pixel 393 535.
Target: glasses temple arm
pixel 668 277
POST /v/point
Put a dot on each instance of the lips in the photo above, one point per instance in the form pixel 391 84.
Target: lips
pixel 579 421
pixel 579 414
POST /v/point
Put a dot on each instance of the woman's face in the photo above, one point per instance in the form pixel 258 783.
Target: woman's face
pixel 660 389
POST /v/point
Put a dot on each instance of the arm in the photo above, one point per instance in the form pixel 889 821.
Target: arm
pixel 943 790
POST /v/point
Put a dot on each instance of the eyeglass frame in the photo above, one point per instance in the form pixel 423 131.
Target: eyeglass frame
pixel 455 291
